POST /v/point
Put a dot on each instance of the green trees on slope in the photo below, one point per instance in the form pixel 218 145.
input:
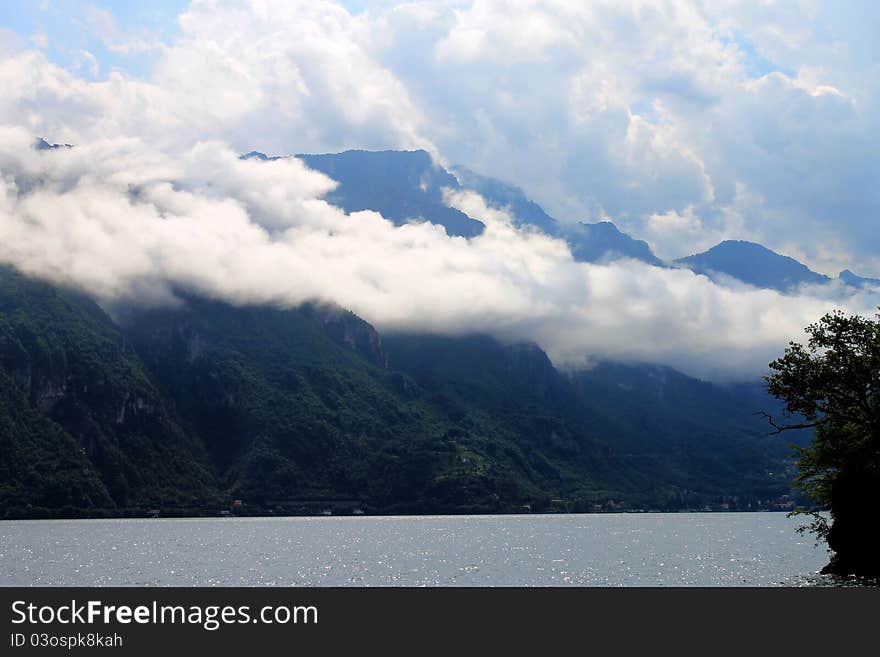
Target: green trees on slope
pixel 185 409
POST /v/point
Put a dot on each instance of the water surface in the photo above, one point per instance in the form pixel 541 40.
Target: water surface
pixel 651 549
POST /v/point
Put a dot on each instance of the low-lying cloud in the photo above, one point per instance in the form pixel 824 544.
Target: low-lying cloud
pixel 672 118
pixel 126 220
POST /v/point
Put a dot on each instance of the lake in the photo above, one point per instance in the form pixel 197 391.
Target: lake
pixel 636 549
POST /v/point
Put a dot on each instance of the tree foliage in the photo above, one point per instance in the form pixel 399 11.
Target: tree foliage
pixel 831 383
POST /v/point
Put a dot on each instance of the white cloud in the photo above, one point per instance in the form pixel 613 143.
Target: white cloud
pixel 102 24
pixel 648 113
pixel 732 99
pixel 294 78
pixel 290 75
pixel 624 110
pixel 10 42
pixel 124 220
pixel 83 60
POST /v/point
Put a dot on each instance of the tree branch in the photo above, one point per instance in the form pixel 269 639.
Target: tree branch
pixel 780 428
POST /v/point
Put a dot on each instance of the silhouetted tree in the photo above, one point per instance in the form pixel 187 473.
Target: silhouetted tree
pixel 831 384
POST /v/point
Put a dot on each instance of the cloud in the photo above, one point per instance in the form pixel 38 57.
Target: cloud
pixel 290 75
pixel 293 78
pixel 102 24
pixel 619 110
pixel 126 221
pixel 40 40
pixel 633 110
pixel 652 114
pixel 10 41
pixel 83 60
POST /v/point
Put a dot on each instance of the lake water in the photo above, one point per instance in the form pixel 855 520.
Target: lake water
pixel 652 549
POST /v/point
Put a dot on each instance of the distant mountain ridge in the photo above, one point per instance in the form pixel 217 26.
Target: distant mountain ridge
pixel 603 241
pixel 400 185
pixel 407 185
pixel 589 242
pixel 753 264
pixel 502 195
pixel 403 185
pixel 854 280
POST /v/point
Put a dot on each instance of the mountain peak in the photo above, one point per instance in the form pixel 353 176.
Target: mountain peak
pixel 256 155
pixel 743 246
pixel 43 145
pixel 401 185
pixel 592 242
pixel 855 280
pixel 753 264
pixel 408 185
pixel 503 195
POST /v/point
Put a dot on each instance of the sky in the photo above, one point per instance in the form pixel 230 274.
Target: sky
pixel 684 122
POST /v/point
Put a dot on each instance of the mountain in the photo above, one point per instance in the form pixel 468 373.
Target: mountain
pixel 408 185
pixel 501 195
pixel 292 411
pixel 668 439
pixel 304 409
pixel 698 434
pixel 43 145
pixel 858 281
pixel 185 409
pixel 401 185
pixel 589 242
pixel 753 264
pixel 43 470
pixel 603 241
pixel 85 424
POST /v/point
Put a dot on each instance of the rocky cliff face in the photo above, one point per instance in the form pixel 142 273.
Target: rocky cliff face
pixel 352 332
pixel 71 363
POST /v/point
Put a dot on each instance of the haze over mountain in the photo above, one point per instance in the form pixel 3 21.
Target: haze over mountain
pixel 408 185
pixel 683 123
pixel 400 185
pixel 259 230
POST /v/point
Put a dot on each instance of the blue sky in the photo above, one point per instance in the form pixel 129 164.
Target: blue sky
pixel 69 27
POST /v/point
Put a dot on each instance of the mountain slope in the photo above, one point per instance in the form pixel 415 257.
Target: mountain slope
pixel 185 409
pixel 296 408
pixel 73 368
pixel 603 241
pixel 501 195
pixel 705 437
pixel 854 280
pixel 43 471
pixel 400 185
pixel 669 440
pixel 405 185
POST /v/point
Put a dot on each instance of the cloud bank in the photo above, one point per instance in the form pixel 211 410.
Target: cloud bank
pixel 682 121
pixel 126 221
